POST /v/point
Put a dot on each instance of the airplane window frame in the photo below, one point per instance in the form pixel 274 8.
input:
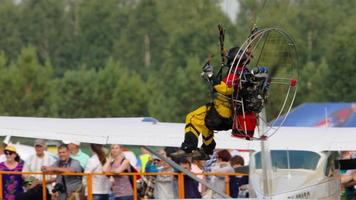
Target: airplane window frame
pixel 299 159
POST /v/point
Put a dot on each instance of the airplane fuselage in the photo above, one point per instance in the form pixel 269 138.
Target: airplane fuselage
pixel 297 174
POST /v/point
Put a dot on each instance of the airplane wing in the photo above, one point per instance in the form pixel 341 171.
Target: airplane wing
pixel 127 131
pixel 150 132
pixel 314 138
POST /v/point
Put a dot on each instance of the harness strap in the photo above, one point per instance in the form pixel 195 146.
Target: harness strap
pixel 195 132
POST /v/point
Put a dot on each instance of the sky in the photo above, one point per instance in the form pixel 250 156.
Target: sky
pixel 230 7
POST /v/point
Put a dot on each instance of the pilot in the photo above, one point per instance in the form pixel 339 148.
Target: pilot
pixel 218 114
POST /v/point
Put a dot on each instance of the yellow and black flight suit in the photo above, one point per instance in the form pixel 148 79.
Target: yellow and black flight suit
pixel 217 115
pixel 207 118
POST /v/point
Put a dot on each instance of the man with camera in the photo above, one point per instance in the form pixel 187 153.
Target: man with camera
pixel 67 187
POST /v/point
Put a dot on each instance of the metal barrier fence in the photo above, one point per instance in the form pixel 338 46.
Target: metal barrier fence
pixel 90 180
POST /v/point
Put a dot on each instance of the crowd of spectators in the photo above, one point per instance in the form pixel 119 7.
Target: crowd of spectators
pixel 117 159
pixel 71 159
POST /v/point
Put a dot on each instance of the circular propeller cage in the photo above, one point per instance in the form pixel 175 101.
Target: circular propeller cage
pixel 274 50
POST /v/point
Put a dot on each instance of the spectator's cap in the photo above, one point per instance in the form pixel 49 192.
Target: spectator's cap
pixel 71 142
pixel 40 142
pixel 10 148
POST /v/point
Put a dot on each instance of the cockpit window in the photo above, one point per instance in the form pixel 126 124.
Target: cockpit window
pixel 297 159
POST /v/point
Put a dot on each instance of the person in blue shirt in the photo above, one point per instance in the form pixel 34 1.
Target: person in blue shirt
pixel 237 181
pixel 191 190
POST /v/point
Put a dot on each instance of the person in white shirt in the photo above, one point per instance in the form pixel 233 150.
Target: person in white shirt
pixel 221 166
pixel 164 188
pixel 101 184
pixel 34 164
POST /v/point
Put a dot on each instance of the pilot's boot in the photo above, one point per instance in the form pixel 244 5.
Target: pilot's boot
pixel 199 154
pixel 209 148
pixel 204 152
pixel 190 143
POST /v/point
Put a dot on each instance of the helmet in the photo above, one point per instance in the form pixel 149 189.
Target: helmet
pixel 232 53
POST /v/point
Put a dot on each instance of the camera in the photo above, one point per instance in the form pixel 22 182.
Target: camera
pixel 59 187
pixel 28 181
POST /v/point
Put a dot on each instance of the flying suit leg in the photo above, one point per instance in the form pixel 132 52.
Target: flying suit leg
pixel 209 144
pixel 220 120
pixel 195 125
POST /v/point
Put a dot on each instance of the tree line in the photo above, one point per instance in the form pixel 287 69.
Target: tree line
pixel 120 58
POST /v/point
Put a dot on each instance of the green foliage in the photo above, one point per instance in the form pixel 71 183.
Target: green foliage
pixel 312 85
pixel 341 56
pixel 143 58
pixel 198 92
pixel 24 85
pixel 104 89
pixel 76 94
pixel 10 41
pixel 46 25
pixel 192 28
pixel 185 92
pixel 98 26
pixel 130 96
pixel 142 39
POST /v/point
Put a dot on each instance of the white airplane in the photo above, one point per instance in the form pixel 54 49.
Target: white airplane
pixel 303 164
pixel 302 158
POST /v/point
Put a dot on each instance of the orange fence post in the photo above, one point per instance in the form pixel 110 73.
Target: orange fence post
pixel 227 185
pixel 181 186
pixel 134 186
pixel 44 191
pixel 90 186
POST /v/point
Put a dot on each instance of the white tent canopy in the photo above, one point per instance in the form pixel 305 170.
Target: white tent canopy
pixel 149 132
